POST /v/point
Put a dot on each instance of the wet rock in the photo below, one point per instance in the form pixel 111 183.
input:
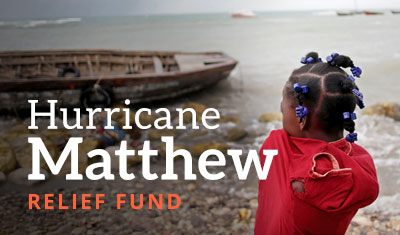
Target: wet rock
pixel 138 228
pixel 191 187
pixel 85 147
pixel 253 203
pixel 373 232
pixel 134 160
pixel 120 118
pixel 131 159
pixel 118 115
pixel 16 132
pixel 162 151
pixel 135 131
pixel 394 223
pixel 197 133
pixel 7 157
pixel 269 117
pixel 236 134
pixel 59 137
pixel 155 134
pixel 198 108
pixel 23 150
pixel 64 229
pixel 2 177
pixel 146 119
pixel 197 149
pixel 20 176
pixel 388 109
pixel 362 220
pixel 244 214
pixel 77 231
pixel 223 211
pixel 239 228
pixel 55 133
pixel 196 221
pixel 225 119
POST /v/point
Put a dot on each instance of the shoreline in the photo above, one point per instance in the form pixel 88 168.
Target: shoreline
pixel 228 206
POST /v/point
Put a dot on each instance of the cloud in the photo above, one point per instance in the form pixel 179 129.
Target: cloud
pixel 81 8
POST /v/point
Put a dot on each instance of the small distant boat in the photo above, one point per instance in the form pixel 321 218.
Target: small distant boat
pixel 371 13
pixel 345 13
pixel 395 12
pixel 97 78
pixel 244 14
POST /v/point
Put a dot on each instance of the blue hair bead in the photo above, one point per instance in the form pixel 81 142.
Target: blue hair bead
pixel 320 60
pixel 361 104
pixel 334 55
pixel 351 78
pixel 347 115
pixel 304 89
pixel 351 137
pixel 359 95
pixel 331 57
pixel 356 71
pixel 297 87
pixel 301 111
pixel 310 60
pixel 307 60
pixel 360 98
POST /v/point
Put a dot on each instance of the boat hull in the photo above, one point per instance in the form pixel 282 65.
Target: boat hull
pixel 139 88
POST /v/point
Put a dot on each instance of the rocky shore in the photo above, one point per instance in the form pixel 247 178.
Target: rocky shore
pixel 226 207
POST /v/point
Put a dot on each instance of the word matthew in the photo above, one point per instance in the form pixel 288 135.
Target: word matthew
pixel 72 146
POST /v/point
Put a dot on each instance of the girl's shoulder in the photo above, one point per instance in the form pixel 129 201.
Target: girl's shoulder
pixel 358 150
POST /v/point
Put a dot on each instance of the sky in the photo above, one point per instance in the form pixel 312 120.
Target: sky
pixel 27 9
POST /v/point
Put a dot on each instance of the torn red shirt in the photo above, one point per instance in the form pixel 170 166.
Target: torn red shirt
pixel 339 178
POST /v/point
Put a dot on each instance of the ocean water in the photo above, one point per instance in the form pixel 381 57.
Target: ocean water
pixel 268 48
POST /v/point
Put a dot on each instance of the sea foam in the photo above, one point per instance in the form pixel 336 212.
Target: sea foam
pixel 36 23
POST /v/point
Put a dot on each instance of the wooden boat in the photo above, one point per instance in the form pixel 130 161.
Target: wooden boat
pixel 100 77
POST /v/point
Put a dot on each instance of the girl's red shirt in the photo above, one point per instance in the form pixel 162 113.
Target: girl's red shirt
pixel 339 178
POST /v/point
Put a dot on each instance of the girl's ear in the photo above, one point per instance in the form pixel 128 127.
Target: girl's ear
pixel 303 123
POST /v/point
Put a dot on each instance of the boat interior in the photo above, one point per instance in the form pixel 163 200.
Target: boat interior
pixel 92 63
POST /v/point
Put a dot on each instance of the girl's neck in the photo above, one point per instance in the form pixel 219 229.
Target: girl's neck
pixel 321 135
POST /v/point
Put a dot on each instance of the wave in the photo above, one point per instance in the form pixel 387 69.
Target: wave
pixel 389 204
pixel 37 23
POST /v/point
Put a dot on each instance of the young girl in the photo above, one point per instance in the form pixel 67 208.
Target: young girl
pixel 319 179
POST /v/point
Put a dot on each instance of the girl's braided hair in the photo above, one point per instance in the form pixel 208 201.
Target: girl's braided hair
pixel 331 92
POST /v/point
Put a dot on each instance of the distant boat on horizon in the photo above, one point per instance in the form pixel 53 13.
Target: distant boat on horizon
pixel 345 13
pixel 356 11
pixel 243 14
pixel 368 13
pixel 371 13
pixel 395 12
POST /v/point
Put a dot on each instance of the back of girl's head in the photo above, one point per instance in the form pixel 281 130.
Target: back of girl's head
pixel 331 92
